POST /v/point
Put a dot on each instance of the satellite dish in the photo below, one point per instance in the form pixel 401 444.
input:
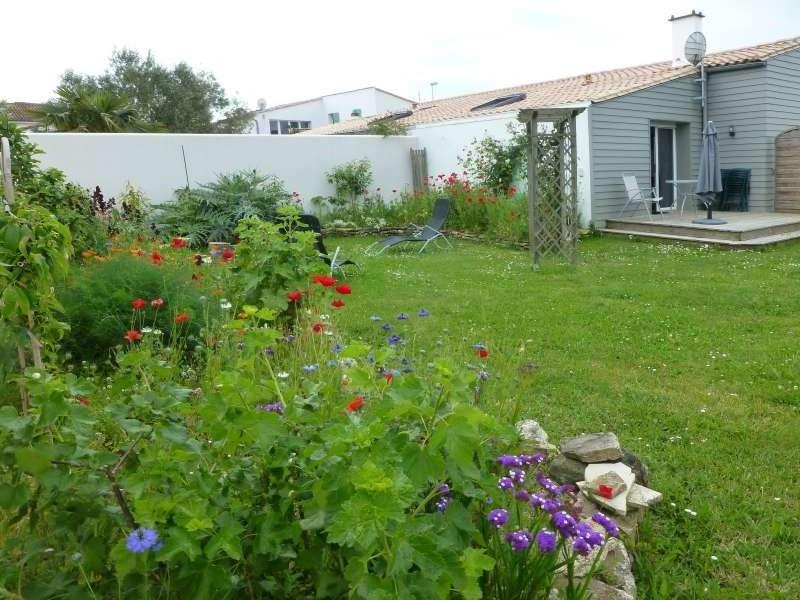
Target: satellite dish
pixel 695 48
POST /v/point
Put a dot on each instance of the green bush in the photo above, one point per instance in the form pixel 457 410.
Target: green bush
pixel 351 180
pixel 211 212
pixel 97 303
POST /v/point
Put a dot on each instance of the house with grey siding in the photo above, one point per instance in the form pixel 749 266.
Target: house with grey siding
pixel 644 120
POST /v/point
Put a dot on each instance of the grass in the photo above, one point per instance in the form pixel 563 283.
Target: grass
pixel 690 354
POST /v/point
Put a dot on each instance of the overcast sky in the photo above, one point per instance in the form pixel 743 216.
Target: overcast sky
pixel 290 50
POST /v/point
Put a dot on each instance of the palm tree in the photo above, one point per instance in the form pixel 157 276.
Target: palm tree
pixel 80 108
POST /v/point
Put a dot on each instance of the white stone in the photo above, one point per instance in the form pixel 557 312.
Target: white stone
pixel 642 497
pixel 618 504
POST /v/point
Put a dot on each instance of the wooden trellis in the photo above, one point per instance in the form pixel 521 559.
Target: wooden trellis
pixel 552 184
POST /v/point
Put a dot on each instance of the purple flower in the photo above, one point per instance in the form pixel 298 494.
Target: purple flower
pixel 585 531
pixel 386 327
pixel 498 517
pixel 269 351
pixel 337 348
pixel 517 475
pixel 520 539
pixel 508 460
pixel 505 483
pixel 423 313
pixel 275 407
pixel 537 500
pixel 551 506
pixel 522 495
pixel 444 489
pixel 142 539
pixel 546 482
pixel 310 368
pixel 289 338
pixel 546 540
pixel 565 488
pixel 530 459
pixel 394 340
pixel 606 523
pixel 581 546
pixel 565 523
pixel 442 503
pixel 402 316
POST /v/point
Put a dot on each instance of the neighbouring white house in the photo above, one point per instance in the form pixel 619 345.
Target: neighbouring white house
pixel 644 120
pixel 326 110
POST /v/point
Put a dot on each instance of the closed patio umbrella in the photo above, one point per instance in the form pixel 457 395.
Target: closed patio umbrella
pixel 709 177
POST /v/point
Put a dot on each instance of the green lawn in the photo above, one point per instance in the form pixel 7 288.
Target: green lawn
pixel 689 354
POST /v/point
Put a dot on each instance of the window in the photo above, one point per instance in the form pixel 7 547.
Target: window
pixel 356 112
pixel 501 101
pixel 333 117
pixel 285 127
pixel 273 127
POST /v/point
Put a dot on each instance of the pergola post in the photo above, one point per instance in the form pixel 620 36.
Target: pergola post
pixel 552 183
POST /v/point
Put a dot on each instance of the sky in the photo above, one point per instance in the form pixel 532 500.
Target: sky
pixel 287 51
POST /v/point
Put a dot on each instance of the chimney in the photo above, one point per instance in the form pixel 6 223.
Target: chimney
pixel 682 27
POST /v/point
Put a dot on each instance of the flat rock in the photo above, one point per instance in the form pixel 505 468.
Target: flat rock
pixel 592 447
pixel 637 466
pixel 618 504
pixel 602 591
pixel 642 497
pixel 613 484
pixel 567 470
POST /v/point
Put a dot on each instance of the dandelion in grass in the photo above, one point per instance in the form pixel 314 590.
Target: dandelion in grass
pixel 142 539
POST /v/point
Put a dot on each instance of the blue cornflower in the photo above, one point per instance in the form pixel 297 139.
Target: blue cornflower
pixel 240 346
pixel 483 375
pixel 375 318
pixel 394 340
pixel 337 348
pixel 423 313
pixel 402 316
pixel 386 327
pixel 310 368
pixel 275 407
pixel 269 351
pixel 289 338
pixel 142 539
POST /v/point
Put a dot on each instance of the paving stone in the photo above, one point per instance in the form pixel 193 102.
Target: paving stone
pixel 592 447
pixel 567 470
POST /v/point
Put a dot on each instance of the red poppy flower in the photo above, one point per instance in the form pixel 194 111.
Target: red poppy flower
pixel 389 377
pixel 139 303
pixel 181 318
pixel 343 289
pixel 482 352
pixel 294 296
pixel 317 327
pixel 157 302
pixel 132 335
pixel 178 242
pixel 512 190
pixel 357 403
pixel 156 258
pixel 228 254
pixel 337 303
pixel 83 400
pixel 326 280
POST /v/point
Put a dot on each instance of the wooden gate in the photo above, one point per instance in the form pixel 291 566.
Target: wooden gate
pixel 419 170
pixel 787 171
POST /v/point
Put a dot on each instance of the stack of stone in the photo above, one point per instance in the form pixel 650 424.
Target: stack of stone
pixel 611 480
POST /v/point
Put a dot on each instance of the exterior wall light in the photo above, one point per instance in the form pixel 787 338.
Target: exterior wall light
pixel 732 131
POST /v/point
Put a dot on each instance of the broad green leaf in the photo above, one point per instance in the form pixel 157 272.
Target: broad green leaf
pixel 176 542
pixel 13 496
pixel 35 460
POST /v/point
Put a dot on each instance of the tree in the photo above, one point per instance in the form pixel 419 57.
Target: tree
pixel 182 99
pixel 81 108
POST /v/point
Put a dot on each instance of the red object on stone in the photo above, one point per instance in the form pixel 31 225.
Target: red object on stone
pixel 606 491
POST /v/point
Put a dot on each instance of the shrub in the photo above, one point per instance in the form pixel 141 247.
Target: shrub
pixel 351 179
pixel 211 212
pixel 498 164
pixel 97 302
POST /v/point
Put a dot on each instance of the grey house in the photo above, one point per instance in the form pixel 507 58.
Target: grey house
pixel 646 121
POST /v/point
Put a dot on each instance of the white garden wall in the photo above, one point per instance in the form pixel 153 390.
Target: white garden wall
pixel 154 163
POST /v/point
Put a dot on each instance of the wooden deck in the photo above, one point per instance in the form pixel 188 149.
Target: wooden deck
pixel 742 229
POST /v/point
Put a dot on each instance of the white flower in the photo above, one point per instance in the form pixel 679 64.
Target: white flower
pixel 147 330
pixel 690 511
pixel 36 375
pixel 225 305
pixel 207 260
pixel 157 332
pixel 283 375
pixel 324 317
pixel 714 557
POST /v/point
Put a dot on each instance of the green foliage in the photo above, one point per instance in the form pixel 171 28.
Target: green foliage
pixel 81 108
pixel 211 212
pixel 497 164
pixel 273 259
pixel 351 179
pixel 97 303
pixel 24 165
pixel 387 127
pixel 181 99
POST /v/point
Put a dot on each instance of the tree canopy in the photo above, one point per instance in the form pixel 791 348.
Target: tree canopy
pixel 181 99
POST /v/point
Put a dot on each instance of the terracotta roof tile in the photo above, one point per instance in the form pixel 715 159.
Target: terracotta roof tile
pixel 588 87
